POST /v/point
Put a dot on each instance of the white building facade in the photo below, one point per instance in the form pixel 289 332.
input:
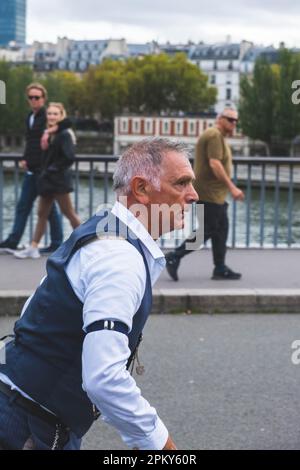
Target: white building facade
pixel 222 64
pixel 131 129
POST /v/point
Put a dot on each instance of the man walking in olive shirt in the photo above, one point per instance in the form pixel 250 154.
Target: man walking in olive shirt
pixel 213 167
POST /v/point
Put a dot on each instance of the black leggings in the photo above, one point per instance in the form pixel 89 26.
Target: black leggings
pixel 215 228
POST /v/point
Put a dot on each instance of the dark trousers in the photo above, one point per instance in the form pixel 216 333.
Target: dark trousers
pixel 215 228
pixel 19 430
pixel 24 207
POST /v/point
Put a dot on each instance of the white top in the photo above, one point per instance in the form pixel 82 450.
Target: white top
pixel 31 120
pixel 113 290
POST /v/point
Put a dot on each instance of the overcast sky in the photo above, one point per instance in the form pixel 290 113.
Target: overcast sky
pixel 261 21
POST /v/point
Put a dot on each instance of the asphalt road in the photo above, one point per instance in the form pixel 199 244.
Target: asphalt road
pixel 218 382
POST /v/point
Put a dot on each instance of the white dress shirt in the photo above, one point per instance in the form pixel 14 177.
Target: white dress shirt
pixel 109 278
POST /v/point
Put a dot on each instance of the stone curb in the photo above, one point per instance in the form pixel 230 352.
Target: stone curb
pixel 194 301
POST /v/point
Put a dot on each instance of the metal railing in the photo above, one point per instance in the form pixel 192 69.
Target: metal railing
pixel 269 216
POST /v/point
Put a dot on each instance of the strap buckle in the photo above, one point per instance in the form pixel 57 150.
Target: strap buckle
pixel 109 325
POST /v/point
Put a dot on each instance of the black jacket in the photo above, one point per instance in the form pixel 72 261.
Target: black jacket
pixel 61 151
pixel 33 151
pixel 56 176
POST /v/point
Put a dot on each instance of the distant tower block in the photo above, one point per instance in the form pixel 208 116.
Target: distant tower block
pixel 12 21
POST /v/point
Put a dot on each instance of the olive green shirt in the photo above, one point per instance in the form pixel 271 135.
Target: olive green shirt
pixel 211 144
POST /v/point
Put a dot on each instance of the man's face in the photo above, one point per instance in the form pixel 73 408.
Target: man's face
pixel 228 121
pixel 176 191
pixel 35 99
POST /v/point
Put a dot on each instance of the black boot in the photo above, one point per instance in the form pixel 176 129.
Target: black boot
pixel 172 265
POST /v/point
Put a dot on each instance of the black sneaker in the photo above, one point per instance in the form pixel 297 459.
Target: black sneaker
pixel 225 274
pixel 7 247
pixel 48 250
pixel 172 265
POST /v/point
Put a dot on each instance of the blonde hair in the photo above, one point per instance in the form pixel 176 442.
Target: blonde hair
pixel 63 112
pixel 61 107
pixel 37 86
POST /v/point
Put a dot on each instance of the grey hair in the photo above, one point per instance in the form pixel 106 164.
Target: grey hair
pixel 144 158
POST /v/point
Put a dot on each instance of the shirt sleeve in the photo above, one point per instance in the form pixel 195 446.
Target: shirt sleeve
pixel 215 147
pixel 112 285
pixel 115 393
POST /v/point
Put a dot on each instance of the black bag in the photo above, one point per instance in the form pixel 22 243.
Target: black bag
pixel 47 181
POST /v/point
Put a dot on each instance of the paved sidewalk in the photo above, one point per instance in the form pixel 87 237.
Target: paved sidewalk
pixel 270 283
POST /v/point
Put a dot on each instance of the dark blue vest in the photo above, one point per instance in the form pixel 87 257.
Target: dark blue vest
pixel 44 360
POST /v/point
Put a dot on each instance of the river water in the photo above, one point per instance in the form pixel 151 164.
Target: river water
pixel 84 206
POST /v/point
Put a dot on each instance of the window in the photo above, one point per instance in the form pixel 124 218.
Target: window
pixel 85 55
pixel 124 125
pixel 72 65
pixel 178 127
pixel 74 55
pixel 192 128
pixel 228 79
pixel 136 126
pixel 82 65
pixel 148 127
pixel 165 127
pixel 228 93
pixel 212 79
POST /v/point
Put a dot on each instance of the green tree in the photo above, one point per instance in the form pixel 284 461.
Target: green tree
pixel 161 83
pixel 13 114
pixel 287 113
pixel 266 108
pixel 105 89
pixel 65 87
pixel 258 102
pixel 150 85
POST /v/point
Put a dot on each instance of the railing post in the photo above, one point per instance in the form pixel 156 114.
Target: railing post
pixel 1 199
pixel 248 206
pixel 262 205
pixel 91 189
pixel 276 206
pixel 235 166
pixel 290 205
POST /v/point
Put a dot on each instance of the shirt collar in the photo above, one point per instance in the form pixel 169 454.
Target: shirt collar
pixel 120 211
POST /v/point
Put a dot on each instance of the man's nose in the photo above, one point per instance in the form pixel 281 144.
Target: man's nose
pixel 192 195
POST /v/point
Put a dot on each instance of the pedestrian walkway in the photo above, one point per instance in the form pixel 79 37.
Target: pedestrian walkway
pixel 270 283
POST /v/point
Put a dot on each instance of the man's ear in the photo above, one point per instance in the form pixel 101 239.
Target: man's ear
pixel 140 189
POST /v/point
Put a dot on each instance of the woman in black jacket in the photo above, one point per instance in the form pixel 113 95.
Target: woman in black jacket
pixel 55 179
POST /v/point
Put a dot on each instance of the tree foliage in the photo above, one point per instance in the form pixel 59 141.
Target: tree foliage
pixel 13 113
pixel 266 108
pixel 153 84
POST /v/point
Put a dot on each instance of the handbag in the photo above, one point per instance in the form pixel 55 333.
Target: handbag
pixel 47 181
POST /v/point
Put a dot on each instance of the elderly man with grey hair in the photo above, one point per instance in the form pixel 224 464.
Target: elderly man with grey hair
pixel 79 332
